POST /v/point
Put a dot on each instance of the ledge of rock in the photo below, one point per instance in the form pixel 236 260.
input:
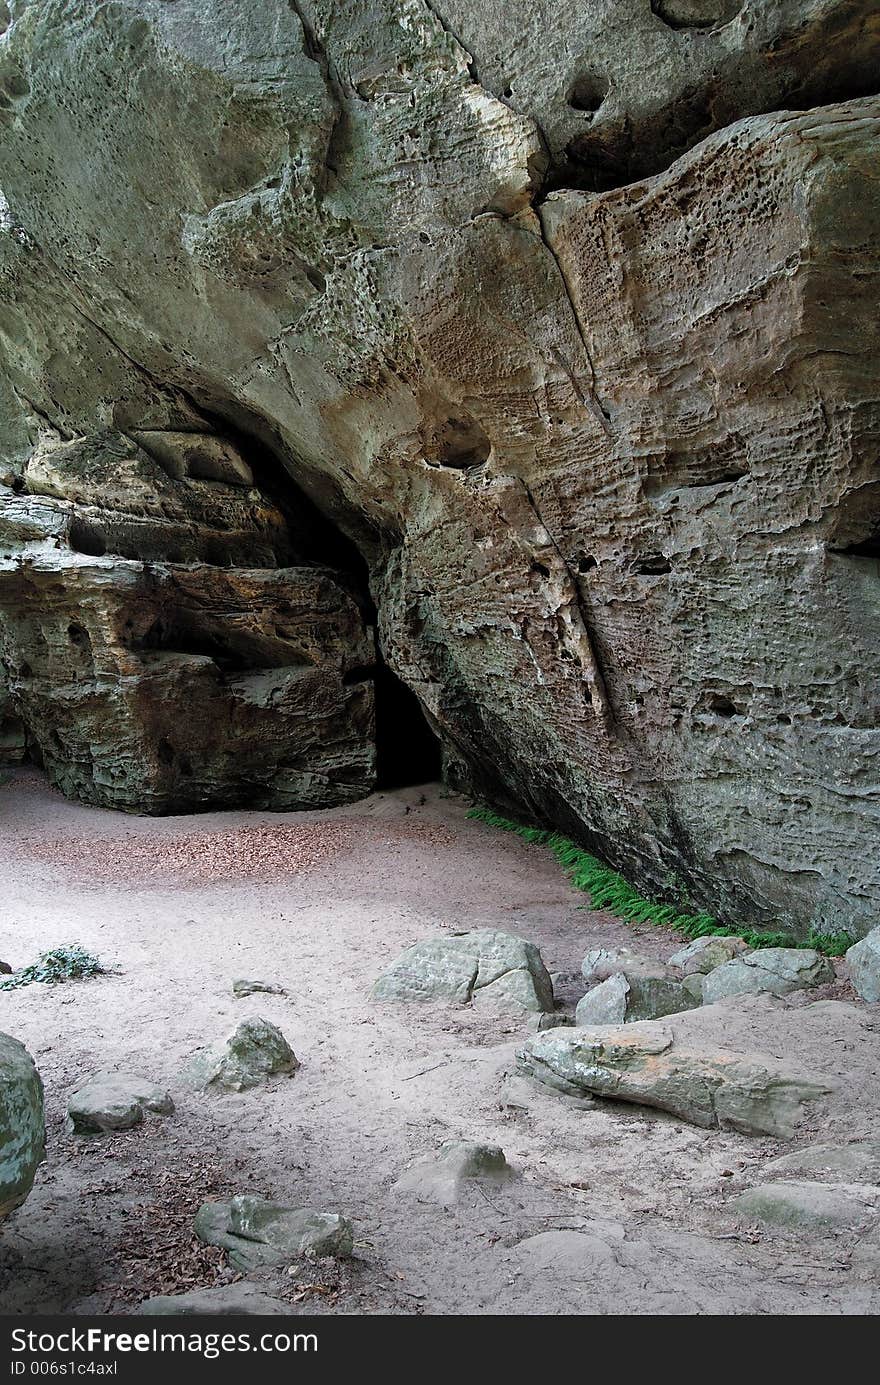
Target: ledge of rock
pixel 644 1063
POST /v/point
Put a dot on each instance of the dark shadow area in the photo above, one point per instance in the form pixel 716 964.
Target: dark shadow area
pixel 407 751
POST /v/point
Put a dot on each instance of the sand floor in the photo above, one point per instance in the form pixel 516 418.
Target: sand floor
pixel 616 1210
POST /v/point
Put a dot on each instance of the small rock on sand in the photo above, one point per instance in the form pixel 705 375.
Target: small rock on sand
pixel 255 1231
pixel 445 1176
pixel 115 1101
pixel 253 1053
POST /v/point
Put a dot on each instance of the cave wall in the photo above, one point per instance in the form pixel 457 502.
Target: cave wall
pixel 609 447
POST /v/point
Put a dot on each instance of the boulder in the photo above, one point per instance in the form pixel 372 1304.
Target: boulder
pixel 705 954
pixel 22 1126
pixel 643 1063
pixel 858 1162
pixel 863 959
pixel 115 1101
pixel 446 1176
pixel 486 966
pixel 253 1053
pixel 632 996
pixel 241 1299
pixel 602 962
pixel 255 1231
pixel 808 1206
pixel 778 970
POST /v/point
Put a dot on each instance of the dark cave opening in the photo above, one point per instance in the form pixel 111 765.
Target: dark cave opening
pixel 407 751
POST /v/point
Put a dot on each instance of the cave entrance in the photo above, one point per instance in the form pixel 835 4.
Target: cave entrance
pixel 407 751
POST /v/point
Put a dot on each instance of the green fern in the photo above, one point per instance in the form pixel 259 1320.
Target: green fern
pixel 608 890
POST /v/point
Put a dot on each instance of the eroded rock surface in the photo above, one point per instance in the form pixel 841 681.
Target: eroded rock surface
pixel 485 966
pixel 864 966
pixel 115 1101
pixel 255 1231
pixel 777 970
pixel 645 1064
pixel 610 457
pixel 254 1052
pixel 446 1175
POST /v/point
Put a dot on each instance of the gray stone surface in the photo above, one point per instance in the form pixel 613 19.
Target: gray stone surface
pixel 589 383
pixel 628 997
pixel 643 1063
pixel 221 1299
pixel 255 1052
pixel 485 966
pixel 705 954
pixel 602 962
pixel 22 1126
pixel 242 988
pixel 778 970
pixel 858 1162
pixel 255 1231
pixel 864 966
pixel 447 1175
pixel 115 1101
pixel 809 1206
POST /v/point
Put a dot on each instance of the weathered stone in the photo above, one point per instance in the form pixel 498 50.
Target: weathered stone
pixel 607 456
pixel 864 966
pixel 255 1231
pixel 22 1127
pixel 485 966
pixel 705 954
pixel 547 1020
pixel 778 970
pixel 234 1299
pixel 115 1101
pixel 643 1063
pixel 255 1051
pixel 808 1205
pixel 242 988
pixel 602 962
pixel 858 1162
pixel 631 996
pixel 446 1176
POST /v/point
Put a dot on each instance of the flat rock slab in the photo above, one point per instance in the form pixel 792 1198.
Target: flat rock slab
pixel 22 1126
pixel 777 970
pixel 255 1231
pixel 858 1162
pixel 241 988
pixel 245 1299
pixel 602 962
pixel 863 959
pixel 255 1051
pixel 115 1101
pixel 628 997
pixel 446 1175
pixel 705 954
pixel 809 1205
pixel 485 965
pixel 643 1063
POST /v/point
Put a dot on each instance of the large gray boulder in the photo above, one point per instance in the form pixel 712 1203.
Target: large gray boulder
pixel 810 1206
pixel 115 1101
pixel 643 1063
pixel 634 995
pixel 22 1126
pixel 705 954
pixel 253 1053
pixel 777 970
pixel 256 1231
pixel 458 1165
pixel 486 966
pixel 864 966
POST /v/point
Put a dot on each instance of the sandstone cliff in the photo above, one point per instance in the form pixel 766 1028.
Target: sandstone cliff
pixel 566 322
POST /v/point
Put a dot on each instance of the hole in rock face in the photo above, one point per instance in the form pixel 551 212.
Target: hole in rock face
pixel 867 548
pixel 587 563
pixel 696 14
pixel 721 705
pixel 587 93
pixel 652 565
pixel 407 751
pixel 458 441
pixel 85 537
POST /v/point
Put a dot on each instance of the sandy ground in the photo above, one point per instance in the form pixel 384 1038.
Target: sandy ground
pixel 616 1210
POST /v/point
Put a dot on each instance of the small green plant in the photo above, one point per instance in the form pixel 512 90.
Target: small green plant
pixel 69 962
pixel 608 890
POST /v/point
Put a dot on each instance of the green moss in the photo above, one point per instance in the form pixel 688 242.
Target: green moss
pixel 608 890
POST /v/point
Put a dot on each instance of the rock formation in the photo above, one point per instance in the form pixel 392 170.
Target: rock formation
pixel 606 448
